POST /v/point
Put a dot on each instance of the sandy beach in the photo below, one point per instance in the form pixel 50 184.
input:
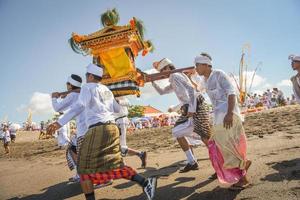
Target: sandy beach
pixel 36 169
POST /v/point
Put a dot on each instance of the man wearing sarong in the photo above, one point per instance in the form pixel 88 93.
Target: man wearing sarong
pixel 122 122
pixel 183 129
pixel 227 146
pixel 73 83
pixel 296 79
pixel 99 158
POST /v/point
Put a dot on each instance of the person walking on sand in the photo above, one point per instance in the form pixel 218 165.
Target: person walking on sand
pixel 180 84
pixel 99 158
pixel 122 122
pixel 227 145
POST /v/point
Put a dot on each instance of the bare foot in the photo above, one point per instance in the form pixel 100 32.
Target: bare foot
pixel 248 164
pixel 242 184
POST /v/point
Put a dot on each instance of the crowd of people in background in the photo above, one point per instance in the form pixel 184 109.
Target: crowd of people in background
pixel 269 99
pixel 152 122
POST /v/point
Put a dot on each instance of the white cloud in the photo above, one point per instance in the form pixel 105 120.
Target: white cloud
pixel 258 80
pixel 40 103
pixel 285 83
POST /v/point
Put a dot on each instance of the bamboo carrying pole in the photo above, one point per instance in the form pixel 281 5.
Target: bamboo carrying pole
pixel 164 75
pixel 146 77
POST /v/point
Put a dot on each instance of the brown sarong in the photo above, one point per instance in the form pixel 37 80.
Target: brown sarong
pixel 100 150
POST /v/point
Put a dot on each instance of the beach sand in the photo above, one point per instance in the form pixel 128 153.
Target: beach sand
pixel 36 169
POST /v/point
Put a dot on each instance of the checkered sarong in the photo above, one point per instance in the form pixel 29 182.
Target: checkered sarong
pixel 100 150
pixel 103 177
pixel 70 161
pixel 122 85
pixel 201 119
pixel 79 142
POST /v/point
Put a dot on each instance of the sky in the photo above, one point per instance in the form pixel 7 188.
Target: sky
pixel 35 58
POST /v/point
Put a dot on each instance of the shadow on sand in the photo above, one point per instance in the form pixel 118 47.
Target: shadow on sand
pixel 59 191
pixel 286 170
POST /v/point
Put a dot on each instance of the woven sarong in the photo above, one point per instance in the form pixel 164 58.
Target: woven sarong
pixel 100 150
pixel 201 118
pixel 70 161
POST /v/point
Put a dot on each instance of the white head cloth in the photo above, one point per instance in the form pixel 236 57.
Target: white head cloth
pixel 94 69
pixel 202 60
pixel 73 82
pixel 295 58
pixel 161 64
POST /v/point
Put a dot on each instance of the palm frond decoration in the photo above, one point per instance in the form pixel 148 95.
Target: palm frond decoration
pixel 140 27
pixel 150 46
pixel 110 18
pixel 75 47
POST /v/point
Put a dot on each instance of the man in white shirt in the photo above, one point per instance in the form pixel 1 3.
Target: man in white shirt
pixel 185 92
pixel 99 158
pixel 296 79
pixel 122 122
pixel 228 133
pixel 61 104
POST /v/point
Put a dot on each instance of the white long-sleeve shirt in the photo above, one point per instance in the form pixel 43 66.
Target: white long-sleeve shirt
pixel 183 88
pixel 96 101
pixel 219 87
pixel 61 105
pixel 199 81
pixel 295 94
pixel 66 103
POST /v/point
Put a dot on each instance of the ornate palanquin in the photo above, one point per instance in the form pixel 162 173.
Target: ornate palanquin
pixel 115 49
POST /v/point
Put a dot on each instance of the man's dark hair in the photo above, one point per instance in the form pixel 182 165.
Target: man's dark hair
pixel 76 78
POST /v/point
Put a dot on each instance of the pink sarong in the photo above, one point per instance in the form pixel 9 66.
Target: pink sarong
pixel 226 177
pixel 227 152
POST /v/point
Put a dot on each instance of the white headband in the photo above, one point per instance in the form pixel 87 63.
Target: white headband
pixel 294 58
pixel 202 60
pixel 163 63
pixel 73 82
pixel 94 69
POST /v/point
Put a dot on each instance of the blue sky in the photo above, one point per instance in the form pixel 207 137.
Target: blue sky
pixel 35 55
